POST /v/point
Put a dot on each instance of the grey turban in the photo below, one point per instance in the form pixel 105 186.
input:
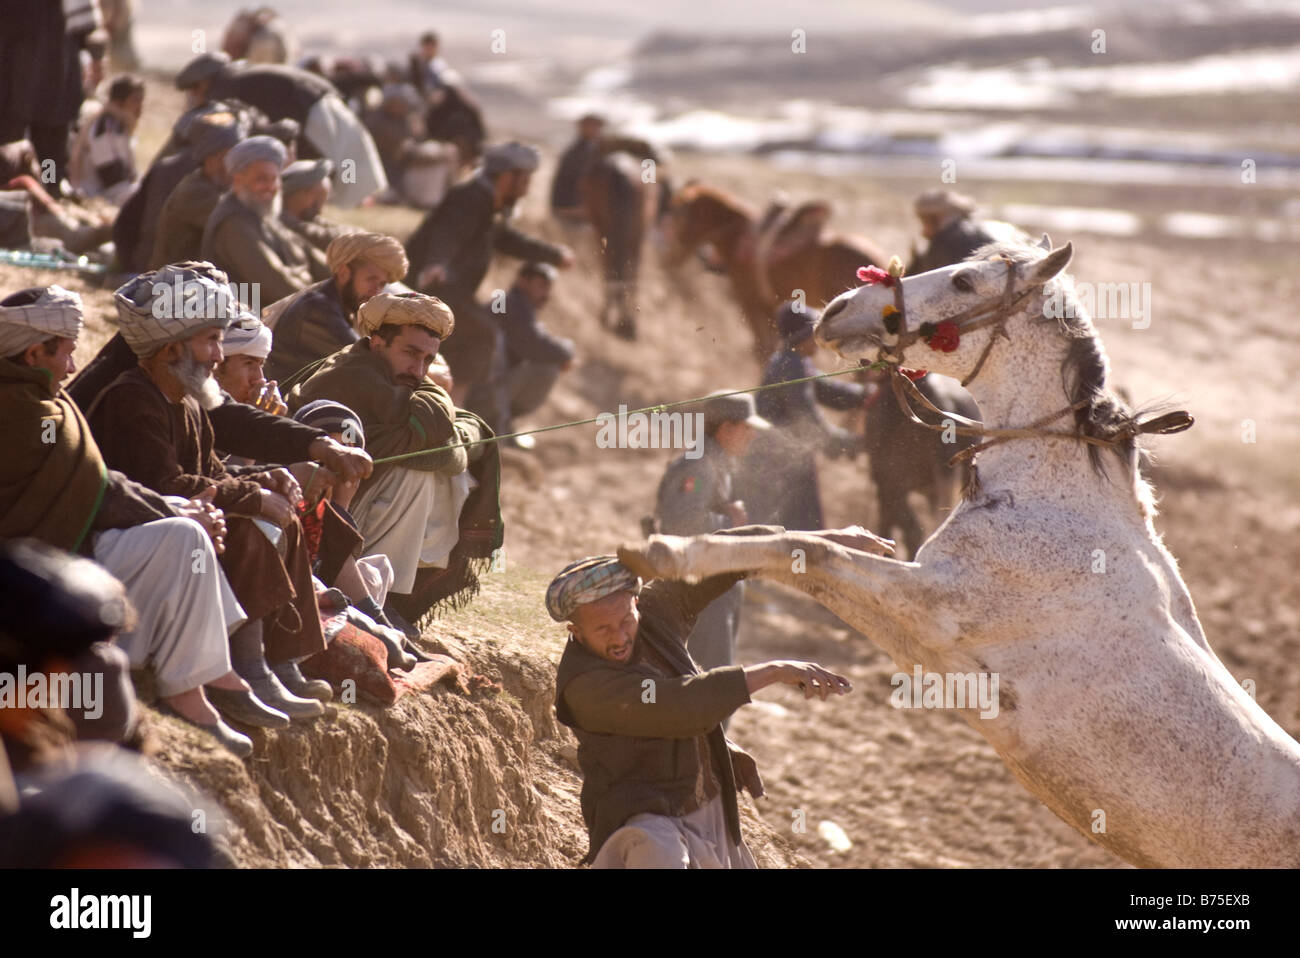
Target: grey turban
pixel 171 304
pixel 304 174
pixel 256 149
pixel 510 156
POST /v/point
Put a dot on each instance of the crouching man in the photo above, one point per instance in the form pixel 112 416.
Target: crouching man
pixel 659 778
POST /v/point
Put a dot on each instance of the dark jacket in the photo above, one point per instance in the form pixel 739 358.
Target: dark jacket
pixel 179 231
pixel 280 91
pixel 565 191
pixel 252 248
pixel 638 757
pixel 311 325
pixel 527 338
pixel 952 244
pixel 794 408
pixel 461 233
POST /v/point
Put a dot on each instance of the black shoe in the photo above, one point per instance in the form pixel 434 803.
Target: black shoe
pixel 297 683
pixel 240 745
pixel 399 623
pixel 416 652
pixel 245 708
pixel 276 696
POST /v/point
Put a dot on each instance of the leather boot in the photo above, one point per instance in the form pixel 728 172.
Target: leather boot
pixel 240 745
pixel 297 683
pixel 273 693
pixel 246 708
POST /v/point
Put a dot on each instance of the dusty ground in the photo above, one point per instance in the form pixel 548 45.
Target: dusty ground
pixel 914 788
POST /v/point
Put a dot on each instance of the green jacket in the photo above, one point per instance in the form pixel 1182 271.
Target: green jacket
pixel 640 757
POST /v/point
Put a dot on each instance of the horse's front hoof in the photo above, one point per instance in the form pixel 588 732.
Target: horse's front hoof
pixel 655 559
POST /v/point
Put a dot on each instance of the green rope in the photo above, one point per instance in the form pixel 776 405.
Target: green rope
pixel 647 409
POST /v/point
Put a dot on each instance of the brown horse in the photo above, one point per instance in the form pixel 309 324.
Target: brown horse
pixel 768 259
pixel 621 203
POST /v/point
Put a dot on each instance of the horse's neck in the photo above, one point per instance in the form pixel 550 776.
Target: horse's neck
pixel 1021 384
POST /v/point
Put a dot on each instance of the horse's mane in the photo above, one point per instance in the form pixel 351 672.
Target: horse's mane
pixel 1084 366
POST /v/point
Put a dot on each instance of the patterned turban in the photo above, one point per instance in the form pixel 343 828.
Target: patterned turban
pixel 53 311
pixel 588 580
pixel 256 149
pixel 384 251
pixel 171 304
pixel 406 309
pixel 333 417
pixel 247 336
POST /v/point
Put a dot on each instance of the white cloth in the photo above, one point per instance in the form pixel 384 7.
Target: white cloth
pixel 697 840
pixel 185 605
pixel 56 312
pixel 412 517
pixel 377 576
pixel 339 135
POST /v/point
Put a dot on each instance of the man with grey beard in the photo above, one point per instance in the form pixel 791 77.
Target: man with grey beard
pixel 152 424
pixel 245 236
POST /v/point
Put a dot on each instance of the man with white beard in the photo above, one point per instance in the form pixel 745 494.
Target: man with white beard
pixel 245 236
pixel 152 424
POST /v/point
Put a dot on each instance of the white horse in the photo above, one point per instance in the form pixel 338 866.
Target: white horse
pixel 1114 710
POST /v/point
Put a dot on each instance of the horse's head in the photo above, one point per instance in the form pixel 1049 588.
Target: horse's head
pixel 948 314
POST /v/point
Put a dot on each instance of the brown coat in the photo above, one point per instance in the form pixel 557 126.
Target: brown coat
pixel 256 249
pixel 169 447
pixel 179 235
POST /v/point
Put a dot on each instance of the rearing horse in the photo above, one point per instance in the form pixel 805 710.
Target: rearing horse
pixel 766 259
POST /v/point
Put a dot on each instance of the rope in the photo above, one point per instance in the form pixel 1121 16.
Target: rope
pixel 645 409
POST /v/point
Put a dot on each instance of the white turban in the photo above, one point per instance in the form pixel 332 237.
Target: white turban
pixel 172 304
pixel 247 336
pixel 56 312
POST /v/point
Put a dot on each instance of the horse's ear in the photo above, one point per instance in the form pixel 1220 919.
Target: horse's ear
pixel 1053 263
pixel 1045 242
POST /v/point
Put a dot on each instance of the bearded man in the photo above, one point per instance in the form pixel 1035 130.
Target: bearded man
pixel 152 423
pixel 244 235
pixel 434 513
pixel 306 188
pixel 55 486
pixel 184 215
pixel 320 319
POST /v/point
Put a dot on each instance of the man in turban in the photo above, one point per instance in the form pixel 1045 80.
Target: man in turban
pixel 659 778
pixel 56 487
pixel 451 251
pixel 179 231
pixel 244 235
pixel 320 319
pixel 420 510
pixel 950 230
pixel 152 423
pixel 306 187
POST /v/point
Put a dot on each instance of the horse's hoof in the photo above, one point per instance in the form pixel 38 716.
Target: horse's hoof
pixel 657 559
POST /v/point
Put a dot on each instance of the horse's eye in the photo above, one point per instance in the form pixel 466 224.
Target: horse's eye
pixel 962 283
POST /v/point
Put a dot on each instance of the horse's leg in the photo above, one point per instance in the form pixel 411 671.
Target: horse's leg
pixel 894 603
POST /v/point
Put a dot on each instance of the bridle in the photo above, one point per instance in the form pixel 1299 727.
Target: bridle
pixel 994 314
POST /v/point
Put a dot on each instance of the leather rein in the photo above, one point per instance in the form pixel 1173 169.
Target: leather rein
pixel 981 316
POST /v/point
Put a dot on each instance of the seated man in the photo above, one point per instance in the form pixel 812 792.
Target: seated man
pixel 416 511
pixel 178 235
pixel 535 357
pixel 306 188
pixel 695 497
pixel 659 778
pixel 321 319
pixel 54 486
pixel 103 155
pixel 244 235
pixel 152 423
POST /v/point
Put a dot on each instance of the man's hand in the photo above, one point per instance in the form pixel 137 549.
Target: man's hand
pixel 212 519
pixel 808 676
pixel 347 462
pixel 268 399
pixel 282 481
pixel 735 513
pixel 566 257
pixel 431 274
pixel 746 771
pixel 316 481
pixel 275 507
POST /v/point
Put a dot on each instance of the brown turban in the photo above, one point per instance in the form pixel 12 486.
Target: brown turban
pixel 406 309
pixel 384 251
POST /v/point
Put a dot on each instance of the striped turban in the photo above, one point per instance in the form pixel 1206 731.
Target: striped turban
pixel 384 251
pixel 42 313
pixel 588 580
pixel 171 304
pixel 247 336
pixel 406 309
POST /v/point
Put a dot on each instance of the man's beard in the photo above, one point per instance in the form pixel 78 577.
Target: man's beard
pixel 348 296
pixel 197 381
pixel 257 205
